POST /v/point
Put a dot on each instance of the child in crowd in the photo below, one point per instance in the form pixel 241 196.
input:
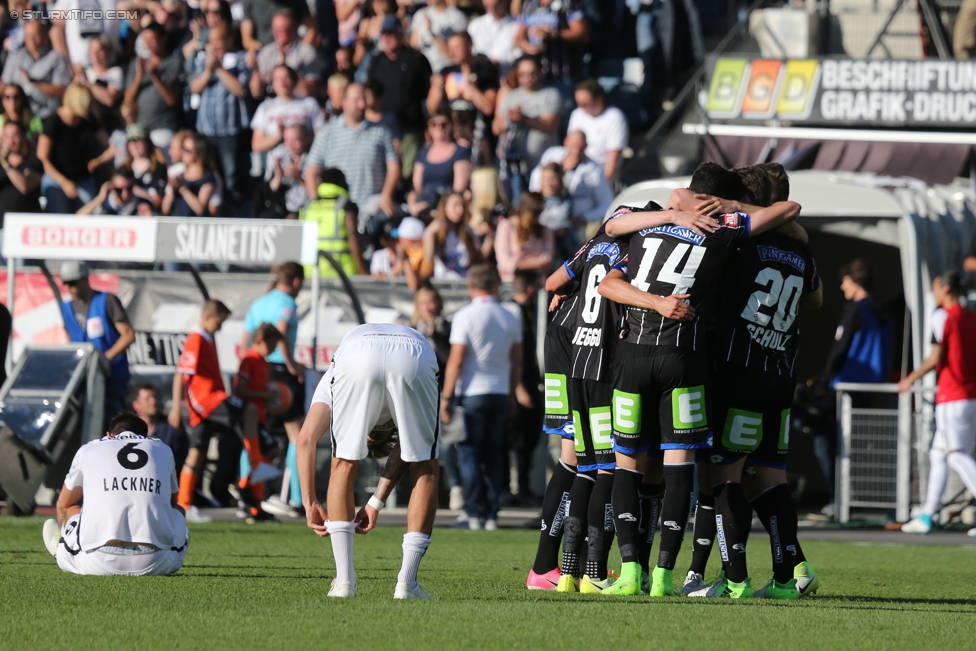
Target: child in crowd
pixel 251 384
pixel 556 215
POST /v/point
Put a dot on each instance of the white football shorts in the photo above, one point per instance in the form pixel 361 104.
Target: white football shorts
pixel 113 561
pixel 955 426
pixel 379 377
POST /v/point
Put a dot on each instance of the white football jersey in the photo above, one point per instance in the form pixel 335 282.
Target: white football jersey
pixel 127 483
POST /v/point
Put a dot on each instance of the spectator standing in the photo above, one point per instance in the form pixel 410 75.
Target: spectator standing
pixel 38 69
pixel 363 151
pixel 605 127
pixel 215 12
pixel 283 194
pixel 469 84
pixel 192 187
pixel 450 246
pixel 282 110
pixel 287 49
pixel 348 14
pixel 430 28
pixel 16 108
pixel 220 81
pixel 483 371
pixel 20 173
pixel 72 37
pixel 556 31
pixel 583 178
pixel 522 242
pixel 493 35
pixel 156 84
pixel 105 81
pixel 405 75
pixel 69 148
pixel 337 220
pixel 428 320
pixel 256 27
pixel 442 166
pixel 368 42
pixel 145 403
pixel 98 318
pixel 557 215
pixel 334 91
pixel 374 93
pixel 525 422
pixel 526 123
pixel 279 309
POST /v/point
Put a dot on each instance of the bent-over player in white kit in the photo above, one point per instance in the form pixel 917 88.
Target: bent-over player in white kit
pixel 383 378
pixel 130 524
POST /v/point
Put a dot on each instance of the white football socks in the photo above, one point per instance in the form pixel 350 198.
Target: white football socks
pixel 938 475
pixel 342 534
pixel 414 547
pixel 965 467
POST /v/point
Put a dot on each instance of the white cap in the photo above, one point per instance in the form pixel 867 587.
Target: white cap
pixel 410 228
pixel 73 271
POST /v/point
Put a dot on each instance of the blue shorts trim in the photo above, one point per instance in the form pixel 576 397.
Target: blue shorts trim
pixel 606 466
pixel 704 445
pixel 588 468
pixel 623 450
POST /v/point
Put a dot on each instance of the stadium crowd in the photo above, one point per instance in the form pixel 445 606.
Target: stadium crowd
pixel 428 121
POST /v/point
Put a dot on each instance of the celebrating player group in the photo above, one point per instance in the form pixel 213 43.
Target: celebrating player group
pixel 673 343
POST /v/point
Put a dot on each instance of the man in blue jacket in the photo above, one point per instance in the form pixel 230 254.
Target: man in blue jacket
pixel 99 318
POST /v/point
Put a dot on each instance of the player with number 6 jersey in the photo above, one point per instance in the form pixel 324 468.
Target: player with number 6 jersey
pixel 660 373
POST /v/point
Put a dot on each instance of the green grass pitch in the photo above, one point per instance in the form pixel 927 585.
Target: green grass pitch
pixel 265 586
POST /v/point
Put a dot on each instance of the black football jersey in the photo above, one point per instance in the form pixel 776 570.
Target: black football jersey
pixel 670 259
pixel 596 322
pixel 765 280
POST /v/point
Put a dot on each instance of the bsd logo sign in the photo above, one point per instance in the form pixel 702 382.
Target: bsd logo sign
pixel 761 89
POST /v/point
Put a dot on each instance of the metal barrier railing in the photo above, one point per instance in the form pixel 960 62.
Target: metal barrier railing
pixel 875 448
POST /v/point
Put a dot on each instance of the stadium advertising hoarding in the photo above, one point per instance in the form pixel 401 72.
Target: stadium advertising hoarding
pixel 158 239
pixel 842 91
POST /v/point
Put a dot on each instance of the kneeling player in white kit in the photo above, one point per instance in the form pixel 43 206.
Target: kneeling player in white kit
pixel 379 373
pixel 130 524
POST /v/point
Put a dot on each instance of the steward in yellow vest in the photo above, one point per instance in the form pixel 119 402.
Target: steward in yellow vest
pixel 336 217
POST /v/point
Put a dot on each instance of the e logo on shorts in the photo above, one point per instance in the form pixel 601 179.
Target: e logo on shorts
pixel 626 412
pixel 688 407
pixel 601 427
pixel 557 401
pixel 578 434
pixel 743 430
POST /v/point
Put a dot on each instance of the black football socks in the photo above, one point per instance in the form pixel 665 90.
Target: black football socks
pixel 553 513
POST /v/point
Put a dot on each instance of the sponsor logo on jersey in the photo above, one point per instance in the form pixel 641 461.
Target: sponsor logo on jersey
pixel 768 338
pixel 608 249
pixel 678 232
pixel 588 336
pixel 772 254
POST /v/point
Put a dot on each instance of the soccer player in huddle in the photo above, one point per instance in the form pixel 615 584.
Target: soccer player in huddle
pixel 661 371
pixel 767 280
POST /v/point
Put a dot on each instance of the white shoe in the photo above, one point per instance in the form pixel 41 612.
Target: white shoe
pixel 491 525
pixel 275 506
pixel 921 524
pixel 714 590
pixel 971 533
pixel 264 472
pixel 693 583
pixel 51 533
pixel 342 589
pixel 406 591
pixel 194 516
pixel 456 503
pixel 474 524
